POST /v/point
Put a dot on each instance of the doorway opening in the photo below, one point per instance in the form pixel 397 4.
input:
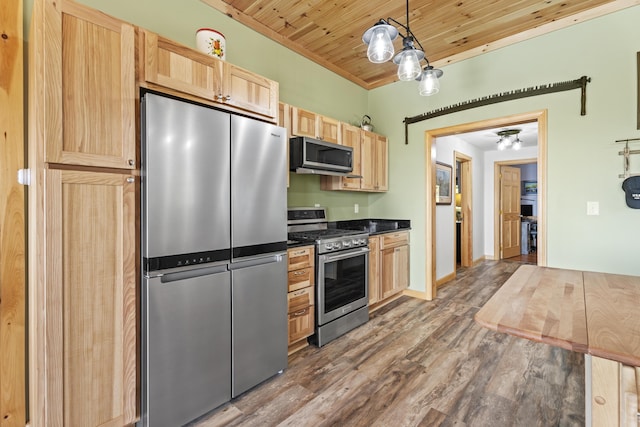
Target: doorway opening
pixel 539 117
pixel 463 212
pixel 515 211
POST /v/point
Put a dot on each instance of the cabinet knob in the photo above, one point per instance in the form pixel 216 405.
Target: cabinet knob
pixel 131 162
pixel 298 273
pixel 300 313
pixel 131 180
pixel 227 98
pixel 220 98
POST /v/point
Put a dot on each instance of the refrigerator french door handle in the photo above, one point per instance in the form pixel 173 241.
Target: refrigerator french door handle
pixel 257 261
pixel 189 274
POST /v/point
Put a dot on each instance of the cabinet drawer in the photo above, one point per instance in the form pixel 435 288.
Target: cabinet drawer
pixel 300 299
pixel 300 258
pixel 300 279
pixel 394 239
pixel 301 324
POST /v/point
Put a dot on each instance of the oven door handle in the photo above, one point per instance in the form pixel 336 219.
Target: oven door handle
pixel 342 255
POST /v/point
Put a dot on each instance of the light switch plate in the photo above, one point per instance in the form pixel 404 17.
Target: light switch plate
pixel 593 208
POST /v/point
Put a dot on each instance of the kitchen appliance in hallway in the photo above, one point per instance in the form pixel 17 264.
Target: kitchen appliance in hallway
pixel 214 293
pixel 342 272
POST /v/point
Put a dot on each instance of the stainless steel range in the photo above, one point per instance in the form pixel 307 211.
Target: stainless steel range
pixel 342 272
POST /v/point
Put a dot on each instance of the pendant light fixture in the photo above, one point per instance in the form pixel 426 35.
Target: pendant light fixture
pixel 509 138
pixel 379 40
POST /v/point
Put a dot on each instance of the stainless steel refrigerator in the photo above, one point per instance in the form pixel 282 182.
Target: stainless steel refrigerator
pixel 214 288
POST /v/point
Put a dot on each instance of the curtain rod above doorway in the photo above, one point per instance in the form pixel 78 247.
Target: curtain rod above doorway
pixel 502 97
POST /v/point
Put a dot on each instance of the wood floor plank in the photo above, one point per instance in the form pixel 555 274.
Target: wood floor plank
pixel 420 363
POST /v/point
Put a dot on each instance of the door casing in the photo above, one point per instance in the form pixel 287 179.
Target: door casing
pixel 539 116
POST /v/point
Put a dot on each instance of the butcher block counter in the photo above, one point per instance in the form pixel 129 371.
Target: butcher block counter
pixel 593 313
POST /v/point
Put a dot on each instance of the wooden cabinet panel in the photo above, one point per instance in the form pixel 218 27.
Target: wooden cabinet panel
pixel 394 270
pixel 89 72
pixel 178 67
pixel 382 163
pixel 300 299
pixel 91 285
pixel 374 269
pixel 301 295
pixel 368 162
pixel 302 278
pixel 301 324
pixel 172 65
pixel 301 257
pixel 329 129
pixel 250 91
pixel 303 123
pixel 351 138
pixel 390 240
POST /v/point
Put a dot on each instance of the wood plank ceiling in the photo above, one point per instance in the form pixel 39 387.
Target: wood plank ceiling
pixel 330 32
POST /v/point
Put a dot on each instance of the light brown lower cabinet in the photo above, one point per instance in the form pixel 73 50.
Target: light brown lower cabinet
pixel 301 296
pixel 88 298
pixel 388 266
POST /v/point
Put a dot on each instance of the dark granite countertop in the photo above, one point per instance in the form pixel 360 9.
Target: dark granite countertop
pixel 373 226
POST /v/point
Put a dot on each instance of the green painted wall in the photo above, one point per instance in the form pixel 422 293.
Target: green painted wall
pixel 583 161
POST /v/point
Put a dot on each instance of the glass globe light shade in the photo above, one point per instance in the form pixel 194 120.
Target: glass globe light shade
pixel 380 47
pixel 517 144
pixel 429 82
pixel 408 65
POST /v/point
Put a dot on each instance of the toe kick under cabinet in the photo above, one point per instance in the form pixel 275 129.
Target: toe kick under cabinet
pixel 301 296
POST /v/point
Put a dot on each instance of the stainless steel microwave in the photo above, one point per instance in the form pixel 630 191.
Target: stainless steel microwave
pixel 308 155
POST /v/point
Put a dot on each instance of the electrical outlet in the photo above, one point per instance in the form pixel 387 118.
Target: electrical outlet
pixel 593 208
pixel 317 205
pixel 356 208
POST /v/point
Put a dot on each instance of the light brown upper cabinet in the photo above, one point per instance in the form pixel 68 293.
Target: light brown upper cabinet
pixel 90 87
pixel 375 170
pixel 186 71
pixel 250 91
pixel 308 123
pixel 369 161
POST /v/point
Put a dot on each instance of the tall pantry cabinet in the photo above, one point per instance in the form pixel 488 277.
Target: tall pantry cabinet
pixel 82 217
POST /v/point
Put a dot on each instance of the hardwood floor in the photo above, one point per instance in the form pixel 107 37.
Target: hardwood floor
pixel 531 258
pixel 419 363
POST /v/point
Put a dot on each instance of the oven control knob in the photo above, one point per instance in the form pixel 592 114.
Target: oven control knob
pixel 346 244
pixel 328 246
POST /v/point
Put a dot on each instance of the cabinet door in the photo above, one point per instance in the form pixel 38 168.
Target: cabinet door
pixel 368 162
pixel 303 123
pixel 301 324
pixel 329 129
pixel 172 65
pixel 90 288
pixel 89 72
pixel 382 163
pixel 374 270
pixel 395 270
pixel 351 138
pixel 250 92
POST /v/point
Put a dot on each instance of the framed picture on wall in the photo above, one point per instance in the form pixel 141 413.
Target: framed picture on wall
pixel 443 184
pixel 529 187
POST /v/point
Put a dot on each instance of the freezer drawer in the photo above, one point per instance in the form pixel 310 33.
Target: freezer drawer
pixel 259 343
pixel 187 354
